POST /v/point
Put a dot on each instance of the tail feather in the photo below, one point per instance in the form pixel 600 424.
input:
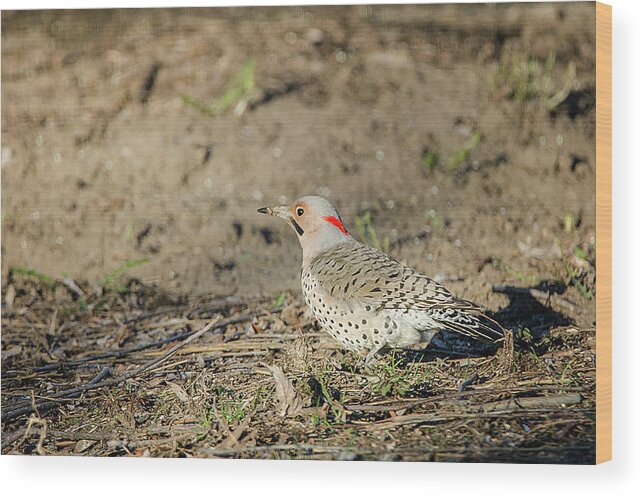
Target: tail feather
pixel 469 322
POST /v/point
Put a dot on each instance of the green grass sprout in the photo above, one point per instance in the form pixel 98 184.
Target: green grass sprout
pixel 243 86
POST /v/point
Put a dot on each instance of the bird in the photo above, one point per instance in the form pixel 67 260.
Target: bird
pixel 366 299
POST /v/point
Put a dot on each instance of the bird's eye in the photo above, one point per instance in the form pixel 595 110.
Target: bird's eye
pixel 300 211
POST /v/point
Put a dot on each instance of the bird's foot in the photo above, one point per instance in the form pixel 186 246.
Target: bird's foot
pixel 370 358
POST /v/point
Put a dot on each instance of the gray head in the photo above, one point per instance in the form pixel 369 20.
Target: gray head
pixel 316 222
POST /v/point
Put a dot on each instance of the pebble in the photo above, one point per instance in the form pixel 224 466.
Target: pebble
pixel 289 315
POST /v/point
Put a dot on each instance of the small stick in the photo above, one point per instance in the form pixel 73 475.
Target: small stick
pixel 430 418
pixel 282 447
pixel 12 414
pixel 388 406
pixel 74 287
pixel 146 443
pixel 91 436
pixel 121 353
pixel 44 406
pixel 533 402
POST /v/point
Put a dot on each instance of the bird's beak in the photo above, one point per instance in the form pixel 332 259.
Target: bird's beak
pixel 279 211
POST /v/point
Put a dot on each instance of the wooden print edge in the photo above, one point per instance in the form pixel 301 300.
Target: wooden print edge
pixel 603 232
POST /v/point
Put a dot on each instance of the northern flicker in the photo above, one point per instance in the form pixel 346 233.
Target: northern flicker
pixel 363 297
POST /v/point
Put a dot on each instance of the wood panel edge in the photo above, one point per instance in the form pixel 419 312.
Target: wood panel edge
pixel 603 232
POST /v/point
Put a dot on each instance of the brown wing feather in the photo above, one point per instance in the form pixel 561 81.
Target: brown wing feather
pixel 356 271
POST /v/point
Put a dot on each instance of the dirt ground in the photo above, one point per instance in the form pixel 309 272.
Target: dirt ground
pixel 137 146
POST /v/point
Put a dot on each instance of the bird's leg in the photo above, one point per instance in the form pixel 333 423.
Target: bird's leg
pixel 370 357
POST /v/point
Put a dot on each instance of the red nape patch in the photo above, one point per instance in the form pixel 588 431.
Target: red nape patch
pixel 336 222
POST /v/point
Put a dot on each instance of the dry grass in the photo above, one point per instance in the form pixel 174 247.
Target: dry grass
pixel 270 385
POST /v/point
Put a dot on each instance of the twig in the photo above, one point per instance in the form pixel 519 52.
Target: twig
pixel 42 431
pixel 217 305
pixel 44 406
pixel 534 402
pixel 74 287
pixel 146 443
pixel 12 438
pixel 439 352
pixel 431 418
pixel 536 293
pixel 385 407
pixel 12 414
pixel 374 452
pixel 283 447
pixel 72 436
pixel 230 346
pixel 106 437
pixel 121 353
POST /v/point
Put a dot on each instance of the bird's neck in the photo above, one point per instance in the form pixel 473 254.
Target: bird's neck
pixel 313 248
